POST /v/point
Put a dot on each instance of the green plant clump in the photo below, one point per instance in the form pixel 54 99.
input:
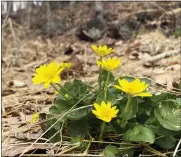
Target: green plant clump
pixel 117 115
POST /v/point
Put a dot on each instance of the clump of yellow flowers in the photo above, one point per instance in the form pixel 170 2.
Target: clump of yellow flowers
pixel 115 105
pixel 106 64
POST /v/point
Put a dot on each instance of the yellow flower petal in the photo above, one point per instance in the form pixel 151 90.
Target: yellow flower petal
pixel 144 94
pixel 123 82
pixel 106 119
pixel 103 104
pixel 95 112
pixel 97 106
pixel 46 84
pixel 95 48
pixel 118 87
pixel 109 105
pixel 56 79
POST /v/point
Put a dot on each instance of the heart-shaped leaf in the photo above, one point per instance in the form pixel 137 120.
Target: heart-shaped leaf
pixel 167 142
pixel 158 97
pixel 62 105
pixel 77 114
pixel 159 130
pixel 111 150
pixel 168 115
pixel 54 110
pixel 78 127
pixel 140 134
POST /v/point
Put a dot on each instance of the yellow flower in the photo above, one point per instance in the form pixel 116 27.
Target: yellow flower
pixel 109 64
pixel 48 74
pixel 104 111
pixel 35 118
pixel 135 88
pixel 102 50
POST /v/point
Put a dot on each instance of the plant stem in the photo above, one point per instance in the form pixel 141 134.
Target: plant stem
pixel 100 71
pixel 128 103
pixel 125 114
pixel 64 89
pixel 89 144
pixel 102 130
pixel 106 86
pixel 68 75
pixel 54 87
pixel 58 90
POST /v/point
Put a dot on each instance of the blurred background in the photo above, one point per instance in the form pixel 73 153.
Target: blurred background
pixel 146 35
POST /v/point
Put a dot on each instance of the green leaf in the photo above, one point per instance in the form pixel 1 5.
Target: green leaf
pixel 51 122
pixel 117 126
pixel 140 134
pixel 177 32
pixel 75 89
pixel 167 142
pixel 110 97
pixel 52 133
pixel 62 105
pixel 178 101
pixel 131 79
pixel 78 140
pixel 54 110
pixel 78 127
pixel 168 115
pixel 77 114
pixel 162 131
pixel 179 85
pixel 158 97
pixel 111 150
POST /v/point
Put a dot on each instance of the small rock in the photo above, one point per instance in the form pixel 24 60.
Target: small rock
pixel 132 57
pixel 19 84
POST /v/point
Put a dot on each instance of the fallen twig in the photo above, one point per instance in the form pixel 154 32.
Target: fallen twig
pixel 163 55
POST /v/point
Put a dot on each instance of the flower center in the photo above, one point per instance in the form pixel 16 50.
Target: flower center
pixel 105 113
pixel 48 75
pixel 131 90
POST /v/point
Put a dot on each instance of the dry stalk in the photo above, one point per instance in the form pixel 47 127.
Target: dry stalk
pixel 176 149
pixel 12 31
